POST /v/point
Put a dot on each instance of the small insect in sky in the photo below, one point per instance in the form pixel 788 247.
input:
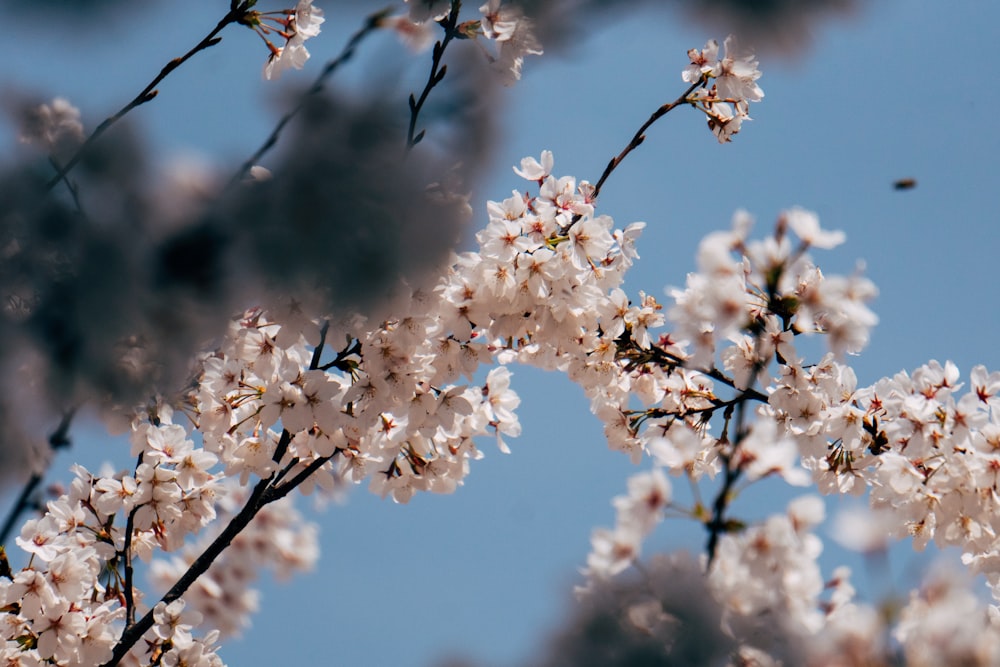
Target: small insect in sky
pixel 905 184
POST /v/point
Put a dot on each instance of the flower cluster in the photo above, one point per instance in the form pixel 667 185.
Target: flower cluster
pixel 926 449
pixel 68 603
pixel 766 591
pixel 294 26
pixel 733 78
pixel 279 407
pixel 501 23
pixel 315 402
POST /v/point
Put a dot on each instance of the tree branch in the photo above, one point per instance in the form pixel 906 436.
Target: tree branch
pixel 149 92
pixel 435 77
pixel 59 439
pixel 372 23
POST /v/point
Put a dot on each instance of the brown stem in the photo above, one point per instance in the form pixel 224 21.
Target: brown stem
pixel 713 373
pixel 127 554
pixel 20 505
pixel 59 439
pixel 134 632
pixel 717 524
pixel 129 572
pixel 640 135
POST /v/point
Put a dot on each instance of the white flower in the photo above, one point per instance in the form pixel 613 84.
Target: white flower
pixel 292 55
pixel 613 551
pixel 805 224
pixel 296 26
pixel 736 76
pixel 533 170
pixel 307 19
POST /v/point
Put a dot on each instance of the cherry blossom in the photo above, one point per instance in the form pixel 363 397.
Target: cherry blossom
pixel 714 387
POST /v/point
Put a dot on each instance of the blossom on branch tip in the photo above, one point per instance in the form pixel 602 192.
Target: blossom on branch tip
pixel 295 26
pixel 292 55
pixel 727 86
pixel 307 19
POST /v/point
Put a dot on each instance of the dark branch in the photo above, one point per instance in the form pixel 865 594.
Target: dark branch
pixel 371 24
pixel 435 77
pixel 148 93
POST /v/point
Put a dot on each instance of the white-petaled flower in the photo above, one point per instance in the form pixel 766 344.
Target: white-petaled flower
pixel 533 170
pixel 702 62
pixel 805 224
pixel 764 453
pixel 499 404
pixel 737 74
pixel 295 26
pixel 724 122
pixel 171 623
pixel 292 55
pixel 733 80
pixel 307 19
pixel 612 552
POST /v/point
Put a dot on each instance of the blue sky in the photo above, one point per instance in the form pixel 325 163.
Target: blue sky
pixel 896 90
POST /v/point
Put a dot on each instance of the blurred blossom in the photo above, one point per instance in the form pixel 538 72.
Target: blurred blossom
pixel 72 11
pixel 769 25
pixel 346 213
pixel 668 617
pixel 54 127
pixel 862 530
pixel 417 36
pixel 428 10
pixel 110 288
pixel 765 25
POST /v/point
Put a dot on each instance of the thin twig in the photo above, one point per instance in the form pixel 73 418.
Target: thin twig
pixel 712 372
pixel 371 24
pixel 20 505
pixel 435 77
pixel 719 524
pixel 640 135
pixel 149 92
pixel 59 439
pixel 282 490
pixel 318 350
pixel 127 552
